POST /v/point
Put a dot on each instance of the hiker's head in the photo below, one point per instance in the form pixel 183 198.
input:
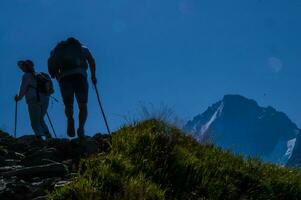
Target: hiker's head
pixel 72 40
pixel 26 66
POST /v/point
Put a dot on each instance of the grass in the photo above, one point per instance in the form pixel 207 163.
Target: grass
pixel 154 161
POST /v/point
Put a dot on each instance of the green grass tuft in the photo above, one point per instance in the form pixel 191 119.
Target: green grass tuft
pixel 154 161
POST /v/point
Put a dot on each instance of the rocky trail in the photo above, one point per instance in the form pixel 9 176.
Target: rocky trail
pixel 30 167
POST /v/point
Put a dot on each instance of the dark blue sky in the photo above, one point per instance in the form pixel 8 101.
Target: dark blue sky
pixel 184 53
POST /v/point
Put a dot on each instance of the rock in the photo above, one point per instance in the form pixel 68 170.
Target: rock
pixel 27 142
pixel 72 175
pixel 13 188
pixel 69 164
pixel 18 155
pixel 29 139
pixel 41 186
pixel 40 198
pixel 17 190
pixel 2 185
pixel 15 155
pixel 10 168
pixel 45 171
pixel 6 141
pixel 11 162
pixel 2 161
pixel 3 152
pixel 62 184
pixel 38 157
pixel 29 167
pixel 7 157
pixel 36 180
pixel 10 154
pixel 63 146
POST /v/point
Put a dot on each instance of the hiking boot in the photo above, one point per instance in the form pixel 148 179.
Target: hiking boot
pixel 70 128
pixel 47 135
pixel 81 133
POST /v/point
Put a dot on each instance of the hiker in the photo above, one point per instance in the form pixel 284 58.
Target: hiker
pixel 37 101
pixel 68 63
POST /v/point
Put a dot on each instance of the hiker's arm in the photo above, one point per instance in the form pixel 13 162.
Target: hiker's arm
pixel 23 88
pixel 92 65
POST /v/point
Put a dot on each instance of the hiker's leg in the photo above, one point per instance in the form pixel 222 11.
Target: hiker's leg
pixel 69 111
pixel 70 120
pixel 67 91
pixel 81 94
pixel 45 103
pixel 83 114
pixel 34 110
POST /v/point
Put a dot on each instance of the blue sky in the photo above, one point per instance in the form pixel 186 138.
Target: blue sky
pixel 186 54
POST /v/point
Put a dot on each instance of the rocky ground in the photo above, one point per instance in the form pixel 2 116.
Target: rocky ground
pixel 30 167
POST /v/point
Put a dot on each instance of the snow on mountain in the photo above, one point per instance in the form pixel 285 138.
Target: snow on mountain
pixel 294 153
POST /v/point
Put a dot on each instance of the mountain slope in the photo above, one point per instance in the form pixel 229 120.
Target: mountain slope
pixel 240 124
pixel 154 161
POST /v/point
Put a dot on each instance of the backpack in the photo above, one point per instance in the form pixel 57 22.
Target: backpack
pixel 69 56
pixel 53 67
pixel 44 84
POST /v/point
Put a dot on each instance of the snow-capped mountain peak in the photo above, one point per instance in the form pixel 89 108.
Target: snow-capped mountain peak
pixel 241 125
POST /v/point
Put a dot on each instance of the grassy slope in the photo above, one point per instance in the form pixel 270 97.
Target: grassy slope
pixel 152 160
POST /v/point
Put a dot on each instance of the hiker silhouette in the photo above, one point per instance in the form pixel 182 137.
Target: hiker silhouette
pixel 36 87
pixel 68 63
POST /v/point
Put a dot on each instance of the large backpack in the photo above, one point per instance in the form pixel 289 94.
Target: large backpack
pixel 44 84
pixel 69 56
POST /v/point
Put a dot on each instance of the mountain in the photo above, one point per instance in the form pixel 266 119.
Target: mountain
pixel 241 125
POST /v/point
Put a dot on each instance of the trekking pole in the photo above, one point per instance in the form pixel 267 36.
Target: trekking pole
pixel 50 122
pixel 16 119
pixel 101 108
